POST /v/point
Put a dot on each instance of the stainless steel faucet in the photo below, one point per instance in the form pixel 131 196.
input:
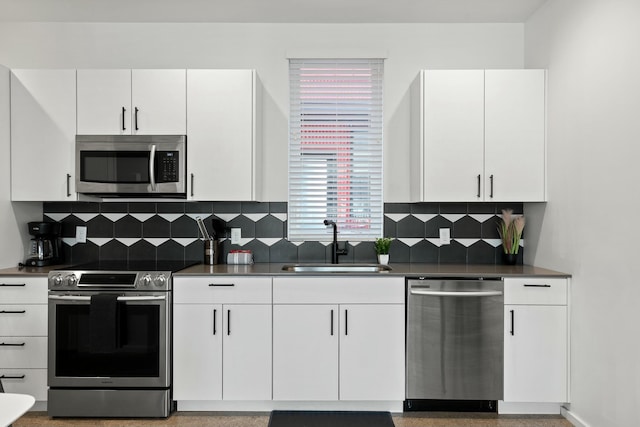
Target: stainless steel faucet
pixel 335 251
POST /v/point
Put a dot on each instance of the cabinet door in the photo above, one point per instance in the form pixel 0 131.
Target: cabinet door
pixel 43 110
pixel 220 125
pixel 453 135
pixel 246 352
pixel 104 102
pixel 305 352
pixel 23 320
pixel 25 381
pixel 535 355
pixel 197 352
pixel 372 352
pixel 23 290
pixel 515 135
pixel 161 102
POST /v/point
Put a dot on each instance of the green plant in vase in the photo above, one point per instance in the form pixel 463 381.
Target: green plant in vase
pixel 382 246
pixel 510 229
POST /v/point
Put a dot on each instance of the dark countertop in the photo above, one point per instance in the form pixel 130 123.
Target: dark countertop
pixel 31 271
pixel 398 269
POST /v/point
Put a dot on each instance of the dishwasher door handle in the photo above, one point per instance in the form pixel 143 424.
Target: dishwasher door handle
pixel 455 294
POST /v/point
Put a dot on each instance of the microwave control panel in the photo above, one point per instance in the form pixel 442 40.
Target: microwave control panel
pixel 167 166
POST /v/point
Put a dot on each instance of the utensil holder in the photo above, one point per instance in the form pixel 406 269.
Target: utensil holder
pixel 210 252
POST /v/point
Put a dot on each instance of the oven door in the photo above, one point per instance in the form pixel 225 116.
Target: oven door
pixel 140 356
pixel 130 165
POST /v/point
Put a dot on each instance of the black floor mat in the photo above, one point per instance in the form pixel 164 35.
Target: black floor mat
pixel 330 419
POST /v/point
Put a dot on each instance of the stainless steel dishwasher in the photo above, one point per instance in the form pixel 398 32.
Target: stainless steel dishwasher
pixel 454 345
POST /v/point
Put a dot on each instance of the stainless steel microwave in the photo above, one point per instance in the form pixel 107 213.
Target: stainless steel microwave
pixel 131 165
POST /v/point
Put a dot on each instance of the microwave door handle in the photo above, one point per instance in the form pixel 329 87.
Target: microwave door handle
pixel 152 171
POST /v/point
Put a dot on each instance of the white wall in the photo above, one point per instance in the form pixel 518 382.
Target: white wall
pixel 408 48
pixel 589 226
pixel 13 217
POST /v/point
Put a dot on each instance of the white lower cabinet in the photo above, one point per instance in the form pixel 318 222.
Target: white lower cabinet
pixel 372 352
pixel 222 339
pixel 305 352
pixel 536 340
pixel 338 339
pixel 23 335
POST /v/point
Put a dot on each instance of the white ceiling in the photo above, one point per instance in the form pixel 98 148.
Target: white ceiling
pixel 264 11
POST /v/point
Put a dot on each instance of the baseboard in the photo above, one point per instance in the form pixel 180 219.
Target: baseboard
pixel 528 408
pixel 39 406
pixel 573 418
pixel 269 405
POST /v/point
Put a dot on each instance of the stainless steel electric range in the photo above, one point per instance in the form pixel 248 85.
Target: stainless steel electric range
pixel 110 339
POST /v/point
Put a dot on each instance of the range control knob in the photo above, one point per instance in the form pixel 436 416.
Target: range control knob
pixel 56 280
pixel 71 279
pixel 146 280
pixel 161 280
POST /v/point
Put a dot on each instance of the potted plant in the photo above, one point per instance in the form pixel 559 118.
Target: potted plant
pixel 382 245
pixel 510 230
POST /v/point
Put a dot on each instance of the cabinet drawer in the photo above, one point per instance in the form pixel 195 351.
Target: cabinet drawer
pixel 23 290
pixel 222 290
pixel 23 320
pixel 545 291
pixel 23 352
pixel 25 381
pixel 338 290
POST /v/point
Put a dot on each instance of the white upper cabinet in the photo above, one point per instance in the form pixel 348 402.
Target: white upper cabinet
pixel 159 102
pixel 104 102
pixel 222 130
pixel 453 135
pixel 478 135
pixel 131 102
pixel 43 111
pixel 515 135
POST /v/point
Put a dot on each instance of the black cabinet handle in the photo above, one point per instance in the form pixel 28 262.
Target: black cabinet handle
pixel 215 314
pixel 478 185
pixel 13 284
pixel 346 322
pixel 491 181
pixel 8 344
pixel 331 322
pixel 135 115
pixel 221 284
pixel 191 185
pixel 537 286
pixel 512 322
pixel 11 377
pixel 68 185
pixel 124 110
pixel 228 322
pixel 13 312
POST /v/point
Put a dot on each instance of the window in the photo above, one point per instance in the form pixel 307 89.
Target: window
pixel 335 148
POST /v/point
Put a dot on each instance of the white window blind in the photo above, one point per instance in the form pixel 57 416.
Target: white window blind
pixel 335 148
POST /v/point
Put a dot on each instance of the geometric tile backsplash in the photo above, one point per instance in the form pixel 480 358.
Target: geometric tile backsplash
pixel 168 231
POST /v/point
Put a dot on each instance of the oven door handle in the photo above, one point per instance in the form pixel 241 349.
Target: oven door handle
pixel 456 294
pixel 88 298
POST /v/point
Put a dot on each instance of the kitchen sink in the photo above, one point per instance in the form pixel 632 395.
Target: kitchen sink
pixel 336 268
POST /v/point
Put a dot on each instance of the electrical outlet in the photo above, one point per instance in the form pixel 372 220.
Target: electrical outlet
pixel 81 234
pixel 445 236
pixel 236 236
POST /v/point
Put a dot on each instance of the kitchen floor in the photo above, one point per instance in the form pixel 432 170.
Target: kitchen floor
pixel 217 419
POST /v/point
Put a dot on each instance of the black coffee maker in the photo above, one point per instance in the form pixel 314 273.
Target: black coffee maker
pixel 46 246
